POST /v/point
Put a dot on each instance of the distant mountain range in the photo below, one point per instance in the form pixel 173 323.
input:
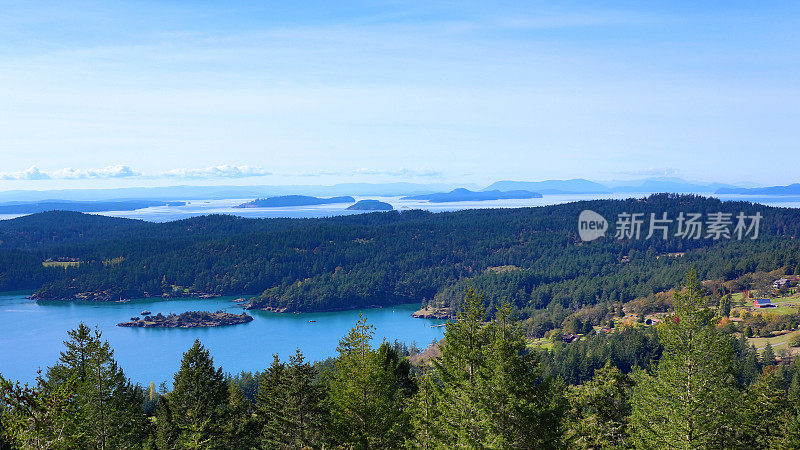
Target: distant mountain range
pixel 89 206
pixel 415 190
pixel 665 184
pixel 226 192
pixel 465 195
pixel 792 189
pixel 574 186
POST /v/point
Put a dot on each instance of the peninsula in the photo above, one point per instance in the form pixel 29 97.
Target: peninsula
pixel 294 200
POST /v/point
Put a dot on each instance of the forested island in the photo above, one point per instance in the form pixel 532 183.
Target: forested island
pixel 370 205
pixel 530 257
pixel 294 200
pixel 465 195
pixel 189 319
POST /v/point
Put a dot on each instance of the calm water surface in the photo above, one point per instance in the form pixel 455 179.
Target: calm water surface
pixel 31 334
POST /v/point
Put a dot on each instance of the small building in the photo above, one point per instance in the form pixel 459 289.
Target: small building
pixel 569 338
pixel 762 303
pixel 780 283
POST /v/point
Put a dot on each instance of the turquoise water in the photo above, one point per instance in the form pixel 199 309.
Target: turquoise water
pixel 31 334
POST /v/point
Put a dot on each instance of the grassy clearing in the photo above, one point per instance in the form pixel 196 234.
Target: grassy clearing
pixel 778 341
pixel 62 264
pixel 787 304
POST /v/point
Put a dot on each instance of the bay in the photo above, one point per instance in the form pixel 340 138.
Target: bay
pixel 32 334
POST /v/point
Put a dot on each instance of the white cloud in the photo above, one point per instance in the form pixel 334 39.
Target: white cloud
pixel 118 171
pixel 31 174
pixel 223 171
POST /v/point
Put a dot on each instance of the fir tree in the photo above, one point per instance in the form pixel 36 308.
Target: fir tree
pixel 198 401
pixel 488 392
pixel 768 355
pixel 690 402
pixel 365 403
pixel 290 403
pixel 39 417
pixel 111 408
pixel 600 411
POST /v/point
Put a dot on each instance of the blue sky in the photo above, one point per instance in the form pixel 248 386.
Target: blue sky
pixel 101 94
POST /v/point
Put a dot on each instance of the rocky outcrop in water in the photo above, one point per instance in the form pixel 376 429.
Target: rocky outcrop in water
pixel 189 319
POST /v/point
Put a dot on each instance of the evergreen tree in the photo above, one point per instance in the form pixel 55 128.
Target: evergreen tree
pixel 768 355
pixel 40 418
pixel 488 392
pixel 600 411
pixel 241 428
pixel 198 401
pixel 290 405
pixel 423 413
pixel 725 305
pixel 270 400
pixel 111 408
pixel 690 402
pixel 764 409
pixel 365 403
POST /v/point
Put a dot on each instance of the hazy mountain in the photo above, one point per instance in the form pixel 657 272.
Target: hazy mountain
pixel 223 192
pixel 90 206
pixel 465 195
pixel 664 184
pixel 792 189
pixel 574 186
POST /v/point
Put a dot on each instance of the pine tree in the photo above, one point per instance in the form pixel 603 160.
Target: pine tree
pixel 198 401
pixel 111 407
pixel 487 391
pixel 365 403
pixel 423 413
pixel 725 302
pixel 763 411
pixel 304 409
pixel 270 400
pixel 241 429
pixel 39 417
pixel 600 411
pixel 768 356
pixel 690 402
pixel 290 405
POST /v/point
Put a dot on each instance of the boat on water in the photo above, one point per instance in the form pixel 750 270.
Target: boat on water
pixel 312 321
pixel 145 313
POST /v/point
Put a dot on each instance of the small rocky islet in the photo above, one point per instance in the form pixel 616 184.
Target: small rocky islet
pixel 189 319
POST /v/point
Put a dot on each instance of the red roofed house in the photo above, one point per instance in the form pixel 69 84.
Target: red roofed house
pixel 762 303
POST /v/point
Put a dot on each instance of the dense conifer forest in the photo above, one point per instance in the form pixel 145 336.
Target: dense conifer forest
pixel 686 383
pixel 530 257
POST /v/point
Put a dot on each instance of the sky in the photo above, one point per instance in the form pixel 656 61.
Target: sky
pixel 147 93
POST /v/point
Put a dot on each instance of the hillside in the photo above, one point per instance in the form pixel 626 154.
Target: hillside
pixel 531 257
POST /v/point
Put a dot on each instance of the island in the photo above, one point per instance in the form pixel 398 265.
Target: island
pixel 81 206
pixel 189 319
pixel 294 200
pixel 370 205
pixel 465 195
